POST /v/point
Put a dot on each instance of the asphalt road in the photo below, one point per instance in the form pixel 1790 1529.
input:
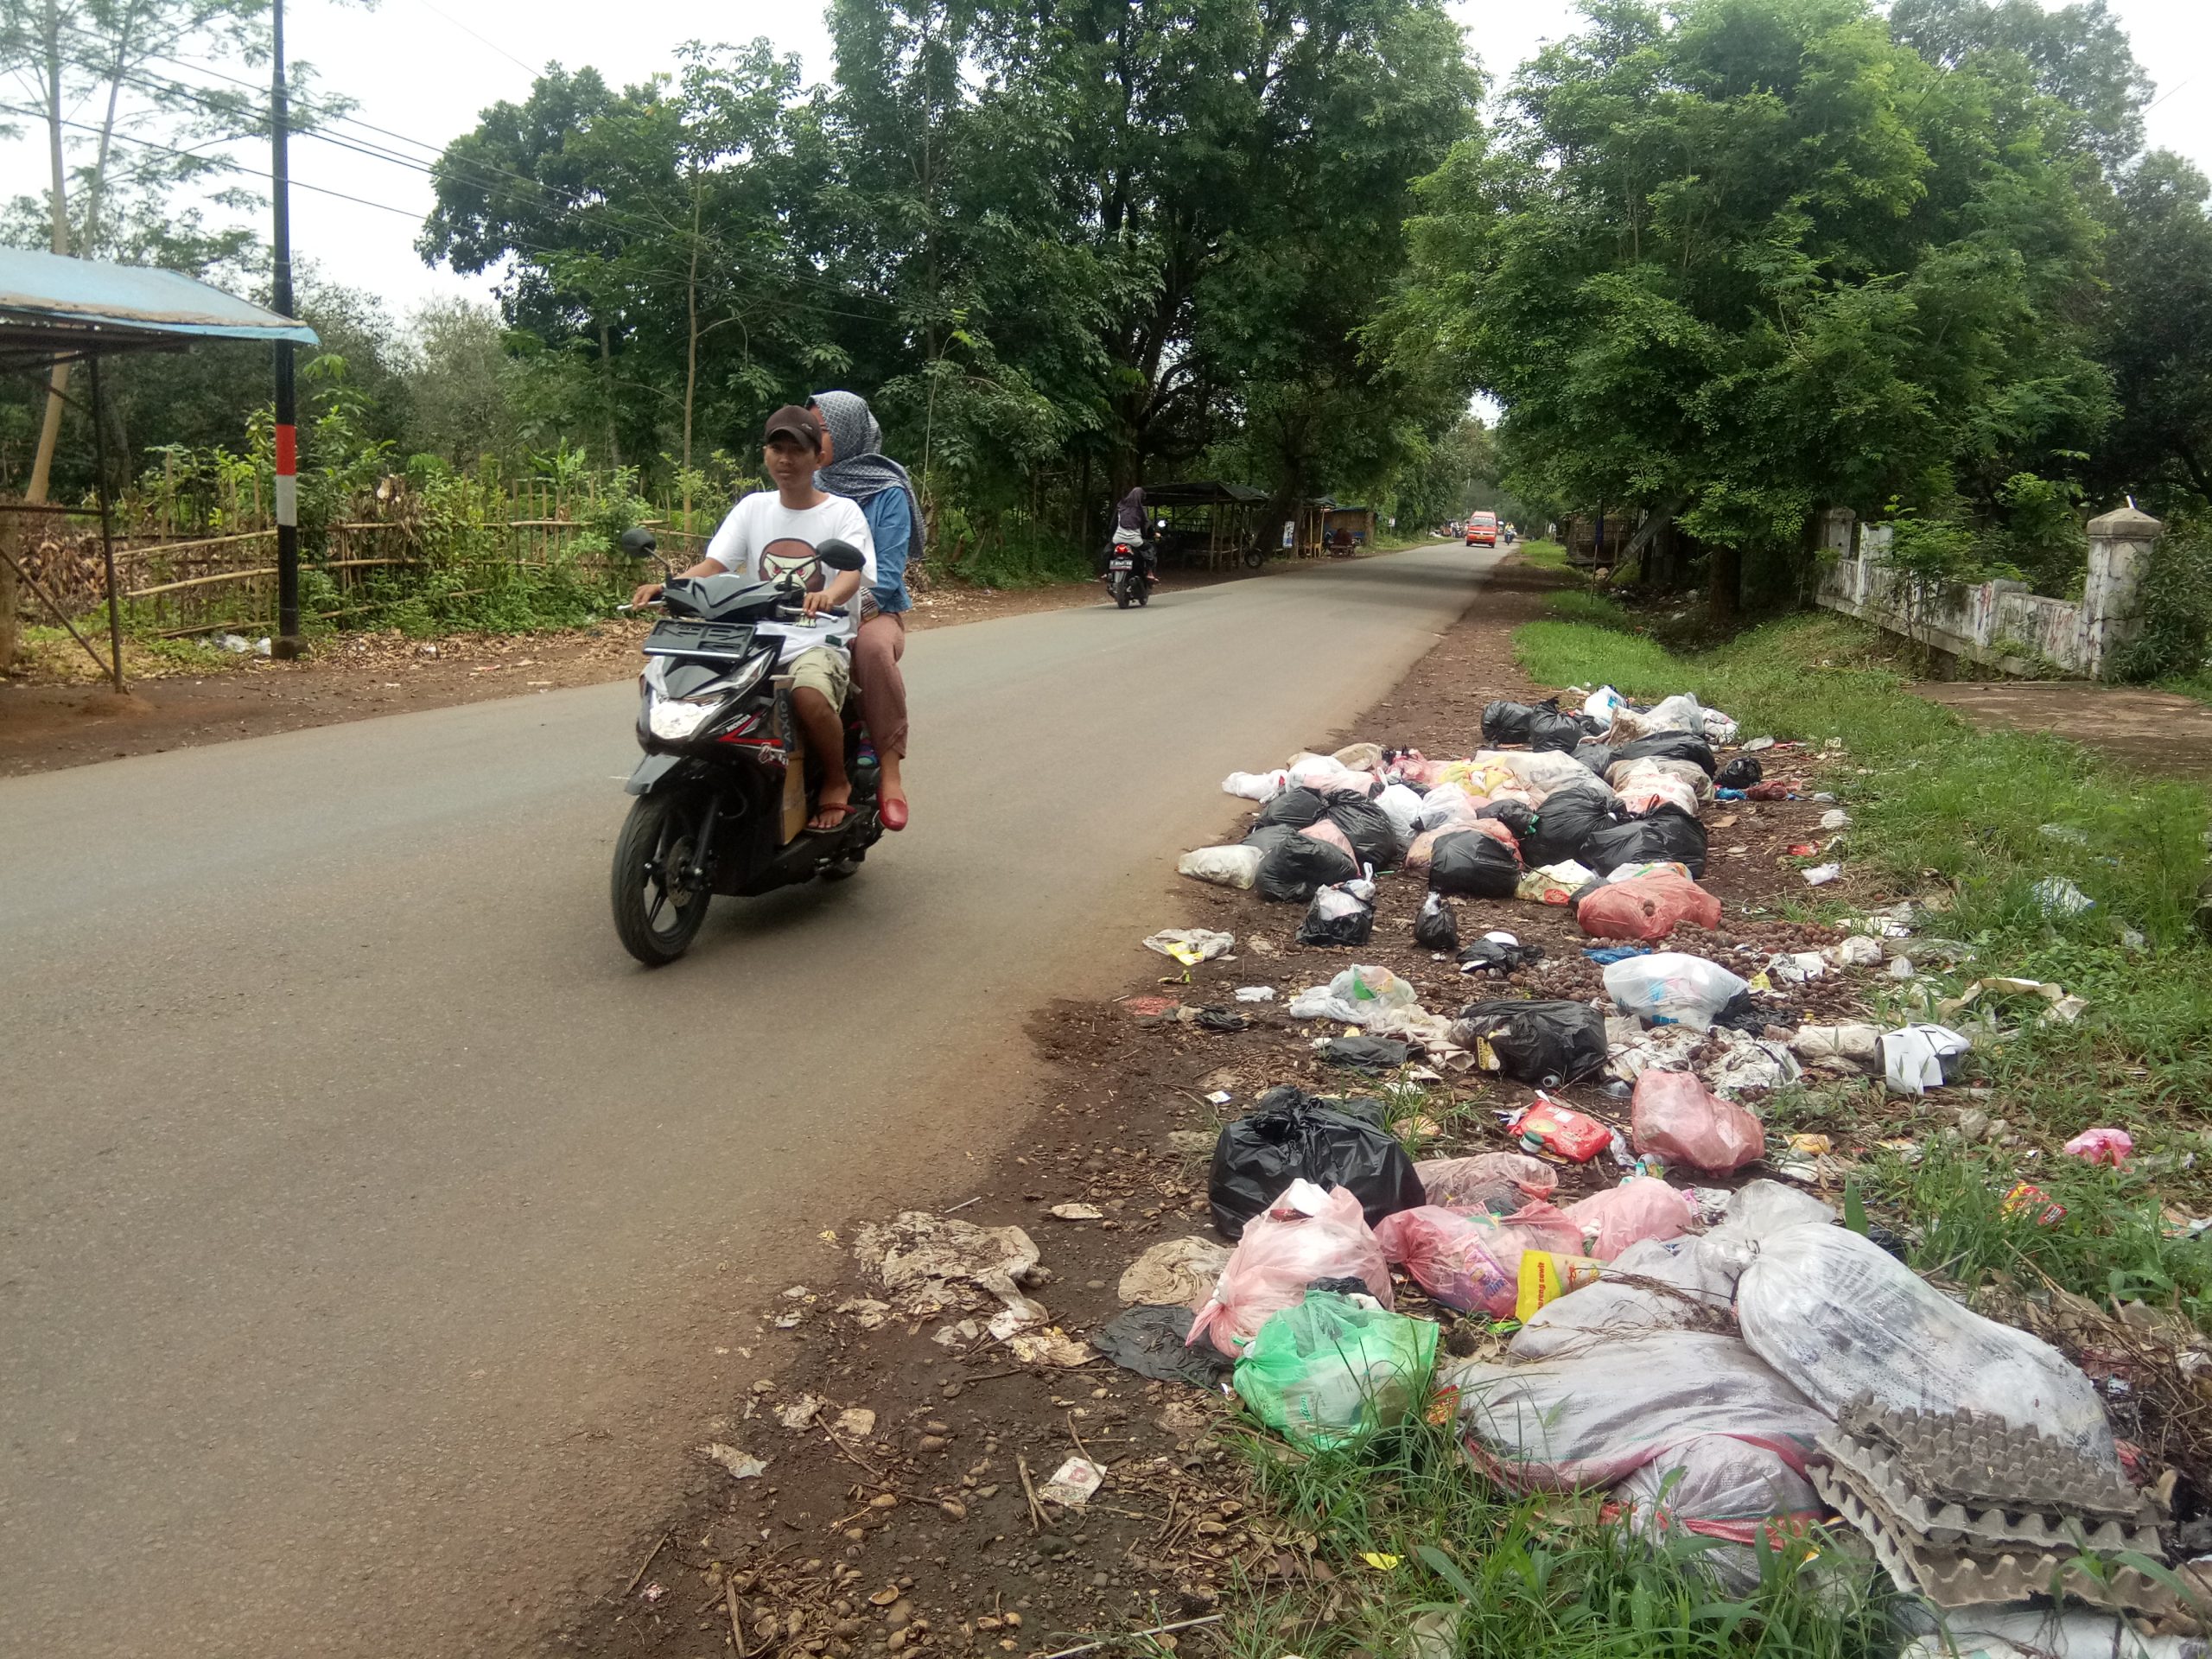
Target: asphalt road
pixel 376 1238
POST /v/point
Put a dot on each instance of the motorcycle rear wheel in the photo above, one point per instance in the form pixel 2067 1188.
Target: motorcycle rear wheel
pixel 1122 589
pixel 1143 591
pixel 655 920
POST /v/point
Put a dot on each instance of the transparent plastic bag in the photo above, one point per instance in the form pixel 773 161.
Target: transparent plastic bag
pixel 1403 806
pixel 1255 786
pixel 1718 1486
pixel 1452 1256
pixel 1336 1367
pixel 1672 986
pixel 1676 1118
pixel 1840 1317
pixel 1497 1182
pixel 1306 1234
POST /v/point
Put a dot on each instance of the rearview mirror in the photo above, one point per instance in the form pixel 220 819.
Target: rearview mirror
pixel 841 555
pixel 637 542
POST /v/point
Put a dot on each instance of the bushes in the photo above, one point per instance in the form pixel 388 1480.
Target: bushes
pixel 2177 600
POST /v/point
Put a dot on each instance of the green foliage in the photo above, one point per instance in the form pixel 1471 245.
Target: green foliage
pixel 2176 600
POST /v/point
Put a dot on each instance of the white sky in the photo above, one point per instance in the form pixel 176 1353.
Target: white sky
pixel 424 69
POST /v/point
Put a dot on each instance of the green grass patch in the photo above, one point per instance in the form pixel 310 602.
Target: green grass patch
pixel 1480 1572
pixel 1548 556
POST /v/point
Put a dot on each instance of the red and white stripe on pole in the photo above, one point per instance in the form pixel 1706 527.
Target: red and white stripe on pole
pixel 287 481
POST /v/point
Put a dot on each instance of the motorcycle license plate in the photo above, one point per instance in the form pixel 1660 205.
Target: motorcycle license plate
pixel 689 637
pixel 1123 561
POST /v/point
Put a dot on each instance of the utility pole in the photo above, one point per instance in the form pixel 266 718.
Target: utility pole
pixel 288 642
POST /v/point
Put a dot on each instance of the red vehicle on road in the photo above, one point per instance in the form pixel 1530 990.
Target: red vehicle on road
pixel 1482 529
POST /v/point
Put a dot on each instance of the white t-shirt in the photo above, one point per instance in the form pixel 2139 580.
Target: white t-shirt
pixel 766 540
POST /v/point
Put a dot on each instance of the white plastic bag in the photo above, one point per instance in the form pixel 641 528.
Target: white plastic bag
pixel 1592 1416
pixel 1718 1486
pixel 1306 1234
pixel 1320 771
pixel 1546 769
pixel 1672 985
pixel 1402 807
pixel 1643 787
pixel 1679 713
pixel 1601 703
pixel 1718 728
pixel 1656 1284
pixel 2009 1632
pixel 1447 804
pixel 1840 1316
pixel 1354 996
pixel 1225 867
pixel 1255 786
pixel 1913 1059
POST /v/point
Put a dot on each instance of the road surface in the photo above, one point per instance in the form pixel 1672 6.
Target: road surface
pixel 375 1236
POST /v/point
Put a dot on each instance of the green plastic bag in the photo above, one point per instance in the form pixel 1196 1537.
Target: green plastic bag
pixel 1336 1367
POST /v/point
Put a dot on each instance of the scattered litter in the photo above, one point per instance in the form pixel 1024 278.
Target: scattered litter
pixel 1256 992
pixel 1857 950
pixel 1354 996
pixel 2064 1009
pixel 1820 874
pixel 1914 1058
pixel 1340 915
pixel 1335 1368
pixel 1498 952
pixel 1190 945
pixel 801 1413
pixel 2059 897
pixel 1073 1483
pixel 1437 927
pixel 1604 956
pixel 1174 1270
pixel 742 1465
pixel 1758 743
pixel 1154 1339
pixel 1076 1212
pixel 1370 1054
pixel 1050 1347
pixel 2066 832
pixel 2024 1198
pixel 2102 1145
pixel 1546 1126
pixel 855 1423
pixel 1290 1135
pixel 1547 1275
pixel 1224 867
pixel 1677 1117
pixel 1834 818
pixel 932 1264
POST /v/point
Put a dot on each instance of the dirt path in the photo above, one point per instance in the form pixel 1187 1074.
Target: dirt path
pixel 2154 732
pixel 357 677
pixel 915 1535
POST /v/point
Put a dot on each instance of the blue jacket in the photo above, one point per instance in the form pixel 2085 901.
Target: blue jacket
pixel 891 522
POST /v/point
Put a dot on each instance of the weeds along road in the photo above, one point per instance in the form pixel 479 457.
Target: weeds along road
pixel 374 1229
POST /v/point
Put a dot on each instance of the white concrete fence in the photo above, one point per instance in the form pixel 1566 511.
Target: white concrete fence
pixel 1999 625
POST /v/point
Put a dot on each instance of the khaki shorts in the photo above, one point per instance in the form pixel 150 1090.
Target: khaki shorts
pixel 825 670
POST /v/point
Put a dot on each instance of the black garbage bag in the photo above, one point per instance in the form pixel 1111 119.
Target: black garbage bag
pixel 1744 1012
pixel 1473 865
pixel 1367 1053
pixel 1437 927
pixel 1369 829
pixel 1295 807
pixel 1545 1044
pixel 1508 722
pixel 1499 954
pixel 1517 816
pixel 1549 730
pixel 1289 1134
pixel 1298 866
pixel 1337 916
pixel 1741 773
pixel 1156 1342
pixel 1670 746
pixel 1567 818
pixel 1595 756
pixel 1664 834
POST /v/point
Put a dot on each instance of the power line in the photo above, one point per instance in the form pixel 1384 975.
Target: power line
pixel 465 29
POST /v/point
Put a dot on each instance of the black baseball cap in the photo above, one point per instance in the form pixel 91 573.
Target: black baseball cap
pixel 795 421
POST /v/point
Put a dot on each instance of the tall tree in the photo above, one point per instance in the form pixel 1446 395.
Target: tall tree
pixel 2158 332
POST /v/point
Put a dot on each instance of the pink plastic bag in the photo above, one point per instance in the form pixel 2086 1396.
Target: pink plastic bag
pixel 1639 1208
pixel 2098 1145
pixel 1325 831
pixel 1647 907
pixel 1536 1225
pixel 1678 1118
pixel 1452 1257
pixel 1306 1234
pixel 1496 1182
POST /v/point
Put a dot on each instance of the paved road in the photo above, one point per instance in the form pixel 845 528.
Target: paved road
pixel 373 1234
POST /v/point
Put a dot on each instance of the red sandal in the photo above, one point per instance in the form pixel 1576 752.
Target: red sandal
pixel 894 812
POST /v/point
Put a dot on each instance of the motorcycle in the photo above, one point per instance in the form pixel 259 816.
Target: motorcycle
pixel 1130 573
pixel 723 793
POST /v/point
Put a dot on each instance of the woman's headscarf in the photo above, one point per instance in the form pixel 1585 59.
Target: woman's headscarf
pixel 1129 515
pixel 858 469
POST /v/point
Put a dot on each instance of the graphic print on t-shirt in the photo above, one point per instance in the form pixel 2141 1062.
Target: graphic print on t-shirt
pixel 788 555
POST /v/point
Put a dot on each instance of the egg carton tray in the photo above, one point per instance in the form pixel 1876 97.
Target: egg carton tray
pixel 1941 1523
pixel 1978 1461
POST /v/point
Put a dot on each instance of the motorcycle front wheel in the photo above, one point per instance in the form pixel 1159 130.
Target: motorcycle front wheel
pixel 655 917
pixel 1122 589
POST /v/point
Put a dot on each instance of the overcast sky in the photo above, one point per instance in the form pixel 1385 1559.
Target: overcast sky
pixel 424 68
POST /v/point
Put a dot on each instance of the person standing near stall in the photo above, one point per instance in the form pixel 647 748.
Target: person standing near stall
pixel 853 465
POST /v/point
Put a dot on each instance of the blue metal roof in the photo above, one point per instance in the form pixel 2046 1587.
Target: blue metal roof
pixel 76 305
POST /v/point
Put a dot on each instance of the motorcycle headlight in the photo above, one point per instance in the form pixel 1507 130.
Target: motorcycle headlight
pixel 674 719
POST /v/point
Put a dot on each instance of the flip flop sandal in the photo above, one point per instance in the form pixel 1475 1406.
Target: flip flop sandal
pixel 846 813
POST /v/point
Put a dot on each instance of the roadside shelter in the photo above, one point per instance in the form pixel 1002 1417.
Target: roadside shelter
pixel 55 310
pixel 1206 520
pixel 1358 522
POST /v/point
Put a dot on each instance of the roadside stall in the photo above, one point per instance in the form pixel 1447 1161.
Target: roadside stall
pixel 56 310
pixel 1208 524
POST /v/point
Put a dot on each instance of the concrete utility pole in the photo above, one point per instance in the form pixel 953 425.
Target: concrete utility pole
pixel 288 642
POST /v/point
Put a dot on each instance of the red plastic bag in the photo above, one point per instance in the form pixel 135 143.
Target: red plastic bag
pixel 1549 1127
pixel 1304 1235
pixel 1648 908
pixel 1639 1208
pixel 1678 1118
pixel 1451 1256
pixel 1324 831
pixel 1496 1182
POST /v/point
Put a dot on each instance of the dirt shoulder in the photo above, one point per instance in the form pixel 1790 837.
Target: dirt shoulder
pixel 911 1527
pixel 2161 733
pixel 63 717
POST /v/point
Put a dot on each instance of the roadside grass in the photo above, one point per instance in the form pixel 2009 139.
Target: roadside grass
pixel 1545 555
pixel 1972 822
pixel 1431 1558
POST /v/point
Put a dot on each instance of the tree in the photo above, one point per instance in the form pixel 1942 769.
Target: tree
pixel 1739 262
pixel 2158 334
